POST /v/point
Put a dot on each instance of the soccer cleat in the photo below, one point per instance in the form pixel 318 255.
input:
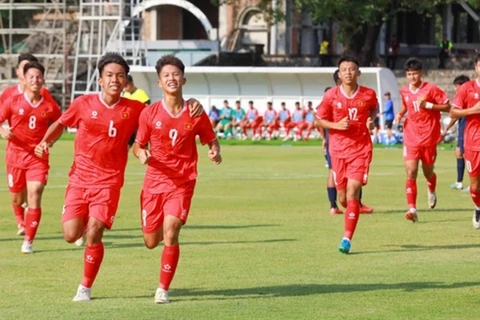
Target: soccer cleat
pixel 81 241
pixel 161 296
pixel 83 294
pixel 432 199
pixel 476 219
pixel 457 185
pixel 411 215
pixel 334 211
pixel 20 230
pixel 25 205
pixel 365 209
pixel 27 247
pixel 466 189
pixel 344 246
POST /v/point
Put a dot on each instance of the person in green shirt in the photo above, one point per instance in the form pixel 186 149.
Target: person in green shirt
pixel 238 117
pixel 226 116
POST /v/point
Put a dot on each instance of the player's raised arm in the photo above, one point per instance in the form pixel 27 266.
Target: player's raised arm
pixel 214 152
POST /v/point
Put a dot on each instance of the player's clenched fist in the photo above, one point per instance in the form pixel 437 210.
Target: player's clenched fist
pixel 7 134
pixel 41 149
pixel 143 155
pixel 343 124
pixel 370 124
pixel 215 156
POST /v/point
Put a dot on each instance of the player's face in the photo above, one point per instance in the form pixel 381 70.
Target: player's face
pixel 238 105
pixel 113 79
pixel 348 72
pixel 414 76
pixel 269 106
pixel 171 79
pixel 251 106
pixel 33 79
pixel 20 74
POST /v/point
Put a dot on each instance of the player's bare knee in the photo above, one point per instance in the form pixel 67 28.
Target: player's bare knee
pixel 412 173
pixel 151 244
pixel 18 200
pixel 71 236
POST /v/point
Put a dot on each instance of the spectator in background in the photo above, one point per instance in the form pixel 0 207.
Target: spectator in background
pixel 214 116
pixel 445 49
pixel 323 53
pixel 389 114
pixel 309 120
pixel 284 118
pixel 393 50
pixel 133 93
pixel 269 121
pixel 297 123
pixel 239 117
pixel 253 121
pixel 226 116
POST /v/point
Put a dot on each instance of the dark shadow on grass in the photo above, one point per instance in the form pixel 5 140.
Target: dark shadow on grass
pixel 202 243
pixel 414 248
pixel 428 211
pixel 214 227
pixel 20 238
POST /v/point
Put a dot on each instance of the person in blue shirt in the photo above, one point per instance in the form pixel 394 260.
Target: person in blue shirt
pixel 389 114
pixel 214 116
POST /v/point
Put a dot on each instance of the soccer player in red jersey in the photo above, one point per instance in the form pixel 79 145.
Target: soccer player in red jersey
pixel 105 122
pixel 29 115
pixel 253 121
pixel 348 112
pixel 269 121
pixel 467 104
pixel 421 132
pixel 171 158
pixel 297 123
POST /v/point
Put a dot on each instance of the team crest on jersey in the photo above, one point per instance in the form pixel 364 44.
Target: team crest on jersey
pixel 188 126
pixel 158 124
pixel 125 115
pixel 94 114
pixel 361 103
pixel 339 105
pixel 45 114
pixel 21 112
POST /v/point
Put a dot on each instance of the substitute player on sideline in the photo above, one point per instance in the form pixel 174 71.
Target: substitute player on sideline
pixel 349 111
pixel 421 132
pixel 29 115
pixel 105 122
pixel 171 160
pixel 467 104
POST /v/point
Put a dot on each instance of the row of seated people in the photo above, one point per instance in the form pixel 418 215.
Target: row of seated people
pixel 238 123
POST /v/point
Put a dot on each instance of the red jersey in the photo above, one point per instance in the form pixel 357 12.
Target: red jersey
pixel 422 126
pixel 28 123
pixel 335 106
pixel 172 146
pixel 15 91
pixel 467 96
pixel 101 141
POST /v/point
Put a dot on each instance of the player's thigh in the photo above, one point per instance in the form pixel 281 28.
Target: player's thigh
pixel 74 213
pixel 472 163
pixel 357 169
pixel 152 213
pixel 411 153
pixel 428 155
pixel 16 179
pixel 339 173
pixel 103 204
pixel 179 201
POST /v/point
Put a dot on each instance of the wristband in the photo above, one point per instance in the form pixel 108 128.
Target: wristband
pixel 428 105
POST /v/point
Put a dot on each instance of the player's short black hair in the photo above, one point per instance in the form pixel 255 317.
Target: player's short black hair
pixel 250 102
pixel 269 103
pixel 348 59
pixel 326 89
pixel 283 103
pixel 34 65
pixel 26 56
pixel 413 64
pixel 310 103
pixel 477 58
pixel 225 101
pixel 130 79
pixel 458 81
pixel 336 77
pixel 238 101
pixel 169 60
pixel 112 57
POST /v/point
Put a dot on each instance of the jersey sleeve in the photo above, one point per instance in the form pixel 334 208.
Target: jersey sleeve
pixel 143 132
pixel 324 110
pixel 48 96
pixel 459 101
pixel 5 110
pixel 72 116
pixel 439 96
pixel 205 130
pixel 56 113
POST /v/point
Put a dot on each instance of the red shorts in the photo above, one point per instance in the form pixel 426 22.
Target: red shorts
pixel 351 168
pixel 156 206
pixel 17 178
pixel 98 203
pixel 426 154
pixel 472 162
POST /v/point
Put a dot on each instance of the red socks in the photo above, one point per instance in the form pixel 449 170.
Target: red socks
pixel 32 220
pixel 19 212
pixel 411 192
pixel 170 257
pixel 93 257
pixel 351 218
pixel 432 183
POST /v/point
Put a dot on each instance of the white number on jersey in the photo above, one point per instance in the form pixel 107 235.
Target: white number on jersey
pixel 112 131
pixel 10 180
pixel 416 107
pixel 352 113
pixel 173 134
pixel 32 122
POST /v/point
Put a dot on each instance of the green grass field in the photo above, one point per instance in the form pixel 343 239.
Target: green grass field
pixel 259 244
